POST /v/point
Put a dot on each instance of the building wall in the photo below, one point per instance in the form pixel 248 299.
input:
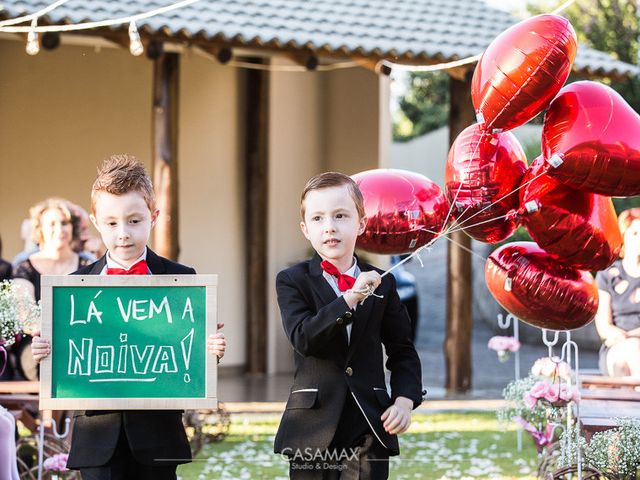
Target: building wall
pixel 212 188
pixel 319 121
pixel 295 153
pixel 62 112
pixel 352 98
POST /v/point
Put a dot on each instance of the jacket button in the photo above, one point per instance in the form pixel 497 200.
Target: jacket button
pixel 348 314
pixel 349 371
pixel 339 321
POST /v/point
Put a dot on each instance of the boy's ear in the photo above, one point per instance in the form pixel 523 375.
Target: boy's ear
pixel 93 219
pixel 363 225
pixel 303 227
pixel 154 217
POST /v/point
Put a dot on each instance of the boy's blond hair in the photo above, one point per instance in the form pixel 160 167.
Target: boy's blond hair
pixel 120 174
pixel 333 179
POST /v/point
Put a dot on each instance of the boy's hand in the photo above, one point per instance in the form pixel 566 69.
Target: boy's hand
pixel 397 417
pixel 217 344
pixel 40 348
pixel 365 280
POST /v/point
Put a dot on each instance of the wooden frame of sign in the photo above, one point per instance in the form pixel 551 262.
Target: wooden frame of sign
pixel 106 360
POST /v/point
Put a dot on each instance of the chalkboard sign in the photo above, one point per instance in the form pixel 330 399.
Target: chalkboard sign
pixel 128 342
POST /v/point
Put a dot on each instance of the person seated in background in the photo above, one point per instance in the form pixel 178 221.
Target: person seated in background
pixel 29 247
pixel 52 230
pixel 618 316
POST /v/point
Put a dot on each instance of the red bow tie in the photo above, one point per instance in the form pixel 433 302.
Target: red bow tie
pixel 139 268
pixel 345 282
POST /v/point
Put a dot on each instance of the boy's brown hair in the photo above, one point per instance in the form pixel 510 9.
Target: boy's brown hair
pixel 333 179
pixel 121 174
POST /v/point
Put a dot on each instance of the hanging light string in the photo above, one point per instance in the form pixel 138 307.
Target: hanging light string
pixel 32 16
pixel 6 26
pixel 102 23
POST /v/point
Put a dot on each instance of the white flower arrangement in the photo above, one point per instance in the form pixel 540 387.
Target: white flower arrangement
pixel 18 313
pixel 614 452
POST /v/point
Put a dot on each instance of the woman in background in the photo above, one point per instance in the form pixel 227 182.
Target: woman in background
pixel 53 230
pixel 618 317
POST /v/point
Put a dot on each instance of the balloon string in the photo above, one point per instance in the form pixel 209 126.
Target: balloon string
pixel 562 7
pixel 462 229
pixel 459 245
pixel 456 224
pixel 459 228
pixel 453 202
pixel 409 257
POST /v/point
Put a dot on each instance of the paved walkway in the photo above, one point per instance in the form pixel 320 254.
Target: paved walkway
pixel 489 375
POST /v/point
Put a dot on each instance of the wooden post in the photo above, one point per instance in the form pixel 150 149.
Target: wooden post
pixel 457 345
pixel 256 181
pixel 165 153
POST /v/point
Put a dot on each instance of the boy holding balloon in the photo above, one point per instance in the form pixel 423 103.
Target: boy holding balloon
pixel 337 313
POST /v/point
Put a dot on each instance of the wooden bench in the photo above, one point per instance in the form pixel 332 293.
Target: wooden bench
pixel 20 387
pixel 597 415
pixel 599 381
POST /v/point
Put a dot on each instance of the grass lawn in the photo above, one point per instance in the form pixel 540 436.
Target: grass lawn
pixel 445 446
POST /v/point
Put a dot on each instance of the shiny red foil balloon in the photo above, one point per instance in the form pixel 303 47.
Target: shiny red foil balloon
pixel 580 229
pixel 522 70
pixel 533 286
pixel 404 210
pixel 594 131
pixel 482 168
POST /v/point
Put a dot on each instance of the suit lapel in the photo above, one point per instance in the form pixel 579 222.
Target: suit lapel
pixel 97 267
pixel 321 287
pixel 155 263
pixel 362 315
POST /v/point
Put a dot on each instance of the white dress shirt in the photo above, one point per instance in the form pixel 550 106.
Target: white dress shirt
pixel 354 271
pixel 111 263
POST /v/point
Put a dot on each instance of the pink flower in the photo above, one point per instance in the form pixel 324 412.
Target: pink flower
pixel 56 463
pixel 540 389
pixel 551 367
pixel 503 344
pixel 540 438
pixel 529 400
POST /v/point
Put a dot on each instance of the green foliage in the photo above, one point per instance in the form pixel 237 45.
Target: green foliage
pixel 624 203
pixel 609 26
pixel 424 107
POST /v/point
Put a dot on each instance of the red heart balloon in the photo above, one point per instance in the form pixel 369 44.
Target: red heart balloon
pixel 594 132
pixel 404 210
pixel 482 168
pixel 533 286
pixel 580 229
pixel 522 70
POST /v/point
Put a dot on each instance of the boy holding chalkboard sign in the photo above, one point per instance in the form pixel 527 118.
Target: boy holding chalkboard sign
pixel 128 444
pixel 338 312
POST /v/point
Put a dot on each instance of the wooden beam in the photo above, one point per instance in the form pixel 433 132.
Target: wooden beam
pixel 222 53
pixel 256 201
pixel 457 344
pixel 376 66
pixel 165 152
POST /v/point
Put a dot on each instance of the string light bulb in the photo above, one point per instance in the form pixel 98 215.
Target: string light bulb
pixel 135 44
pixel 33 42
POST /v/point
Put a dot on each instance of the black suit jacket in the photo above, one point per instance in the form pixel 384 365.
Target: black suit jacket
pixel 152 435
pixel 328 368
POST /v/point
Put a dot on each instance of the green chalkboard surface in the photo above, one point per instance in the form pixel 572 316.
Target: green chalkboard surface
pixel 128 342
